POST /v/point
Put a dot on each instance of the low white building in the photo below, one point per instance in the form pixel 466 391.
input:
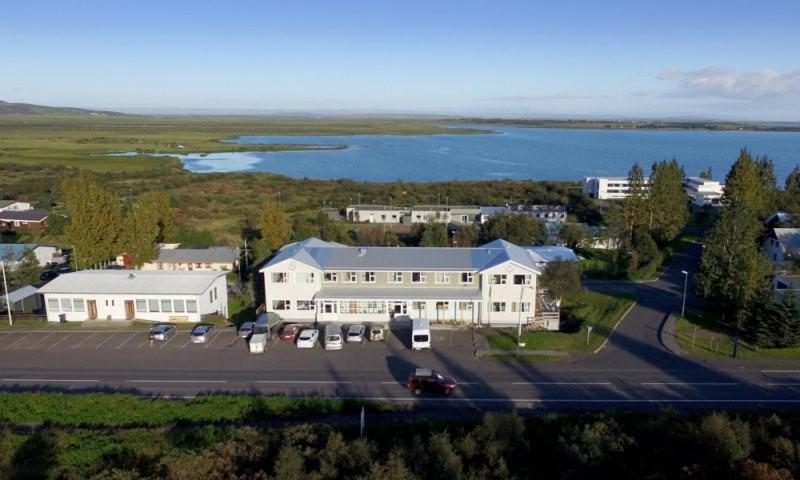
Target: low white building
pixel 494 284
pixel 156 296
pixel 702 192
pixel 376 213
pixel 14 206
pixel 782 247
pixel 223 259
pixel 607 188
pixel 544 213
pixel 13 253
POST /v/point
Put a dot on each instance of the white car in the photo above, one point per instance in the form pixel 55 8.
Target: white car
pixel 356 333
pixel 201 333
pixel 308 338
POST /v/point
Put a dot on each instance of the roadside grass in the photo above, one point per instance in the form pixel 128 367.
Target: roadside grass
pixel 701 334
pixel 122 409
pixel 32 324
pixel 600 310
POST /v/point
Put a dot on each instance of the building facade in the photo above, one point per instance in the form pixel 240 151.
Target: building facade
pixel 155 296
pixel 23 219
pixel 607 188
pixel 782 247
pixel 14 206
pixel 13 253
pixel 702 192
pixel 221 259
pixel 495 284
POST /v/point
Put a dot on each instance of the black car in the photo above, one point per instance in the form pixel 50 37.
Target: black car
pixel 427 380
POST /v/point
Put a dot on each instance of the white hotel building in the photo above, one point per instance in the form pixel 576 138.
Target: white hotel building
pixel 702 192
pixel 494 284
pixel 607 188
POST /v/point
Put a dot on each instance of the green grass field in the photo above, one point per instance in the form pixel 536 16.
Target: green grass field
pixel 601 311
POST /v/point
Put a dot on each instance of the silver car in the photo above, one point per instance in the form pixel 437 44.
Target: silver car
pixel 201 333
pixel 355 334
pixel 163 332
pixel 246 330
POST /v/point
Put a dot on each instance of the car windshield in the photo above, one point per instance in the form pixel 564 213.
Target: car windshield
pixel 353 334
pixel 420 338
pixel 305 336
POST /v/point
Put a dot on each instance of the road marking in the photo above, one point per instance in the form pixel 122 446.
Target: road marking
pixel 48 380
pixel 62 339
pixel 780 371
pixel 42 340
pixel 145 342
pixel 299 382
pixel 184 345
pixel 82 341
pixel 784 384
pixel 104 341
pixel 126 341
pixel 561 383
pixel 567 400
pixel 217 334
pixel 169 340
pixel 17 341
pixel 5 334
pixel 690 384
pixel 176 381
pixel 392 383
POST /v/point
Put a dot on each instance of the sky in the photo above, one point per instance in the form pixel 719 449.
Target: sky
pixel 727 60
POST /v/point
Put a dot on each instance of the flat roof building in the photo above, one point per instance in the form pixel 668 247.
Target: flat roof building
pixel 703 192
pixel 607 188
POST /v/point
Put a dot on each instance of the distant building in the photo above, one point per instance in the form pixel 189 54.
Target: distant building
pixel 782 247
pixel 32 219
pixel 13 253
pixel 222 259
pixel 14 206
pixel 785 286
pixel 544 213
pixel 377 214
pixel 607 188
pixel 23 300
pixel 778 219
pixel 154 296
pixel 449 214
pixel 702 192
pixel 542 255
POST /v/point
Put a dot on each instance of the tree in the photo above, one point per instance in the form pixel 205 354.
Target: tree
pixel 791 195
pixel 668 205
pixel 636 206
pixel 331 230
pixel 26 272
pixel 95 217
pixel 518 229
pixel 158 206
pixel 733 270
pixel 139 233
pixel 745 188
pixel 274 225
pixel 707 174
pixel 465 236
pixel 573 234
pixel 766 173
pixel 434 235
pixel 562 278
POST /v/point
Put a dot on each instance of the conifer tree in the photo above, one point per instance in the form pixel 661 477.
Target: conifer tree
pixel 636 207
pixel 94 220
pixel 274 225
pixel 745 187
pixel 668 205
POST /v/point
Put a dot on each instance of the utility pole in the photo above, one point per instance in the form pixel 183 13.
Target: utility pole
pixel 685 282
pixel 5 288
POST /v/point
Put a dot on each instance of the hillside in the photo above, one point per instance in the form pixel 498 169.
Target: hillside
pixel 8 108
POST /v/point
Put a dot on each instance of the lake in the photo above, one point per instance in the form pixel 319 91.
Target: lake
pixel 509 152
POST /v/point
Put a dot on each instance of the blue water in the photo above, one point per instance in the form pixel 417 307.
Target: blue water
pixel 518 153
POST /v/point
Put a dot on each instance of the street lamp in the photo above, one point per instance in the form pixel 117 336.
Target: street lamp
pixel 520 343
pixel 685 282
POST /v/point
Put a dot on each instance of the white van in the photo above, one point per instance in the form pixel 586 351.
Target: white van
pixel 333 337
pixel 260 335
pixel 420 334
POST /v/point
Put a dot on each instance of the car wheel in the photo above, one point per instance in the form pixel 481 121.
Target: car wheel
pixel 417 391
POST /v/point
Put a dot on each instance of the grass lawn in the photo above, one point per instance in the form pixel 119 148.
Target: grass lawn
pixel 31 324
pixel 600 310
pixel 714 340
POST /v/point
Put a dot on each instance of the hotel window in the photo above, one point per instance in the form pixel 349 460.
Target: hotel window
pixel 396 277
pixel 305 305
pixel 442 305
pixel 152 305
pixel 498 306
pixel 210 296
pixel 442 277
pixel 77 304
pixel 383 217
pixel 305 277
pixel 178 306
pixel 198 265
pixel 465 305
pixel 524 307
pixel 160 266
pixel 52 305
pixel 280 277
pixel 141 305
pixel 418 306
pixel 466 277
pixel 166 305
pixel 281 304
pixel 331 277
pixel 418 277
pixel 522 279
pixel 191 306
pixel 368 277
pixel 66 304
pixel 498 279
pixel 350 277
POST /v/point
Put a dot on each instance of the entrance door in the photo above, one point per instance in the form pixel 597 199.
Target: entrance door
pixel 92 305
pixel 399 308
pixel 129 313
pixel 329 310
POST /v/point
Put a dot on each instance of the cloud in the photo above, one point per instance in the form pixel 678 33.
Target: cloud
pixel 717 81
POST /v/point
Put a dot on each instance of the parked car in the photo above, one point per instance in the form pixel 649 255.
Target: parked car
pixel 355 333
pixel 308 338
pixel 201 333
pixel 376 333
pixel 427 380
pixel 290 332
pixel 333 337
pixel 246 329
pixel 163 332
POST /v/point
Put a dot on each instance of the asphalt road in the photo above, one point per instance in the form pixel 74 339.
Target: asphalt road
pixel 635 370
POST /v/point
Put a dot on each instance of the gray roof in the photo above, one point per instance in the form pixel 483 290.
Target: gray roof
pixel 15 251
pixel 21 293
pixel 398 293
pixel 551 253
pixel 789 239
pixel 34 215
pixel 156 282
pixel 333 256
pixel 197 255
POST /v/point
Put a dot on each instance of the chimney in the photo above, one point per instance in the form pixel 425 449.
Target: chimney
pixel 362 251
